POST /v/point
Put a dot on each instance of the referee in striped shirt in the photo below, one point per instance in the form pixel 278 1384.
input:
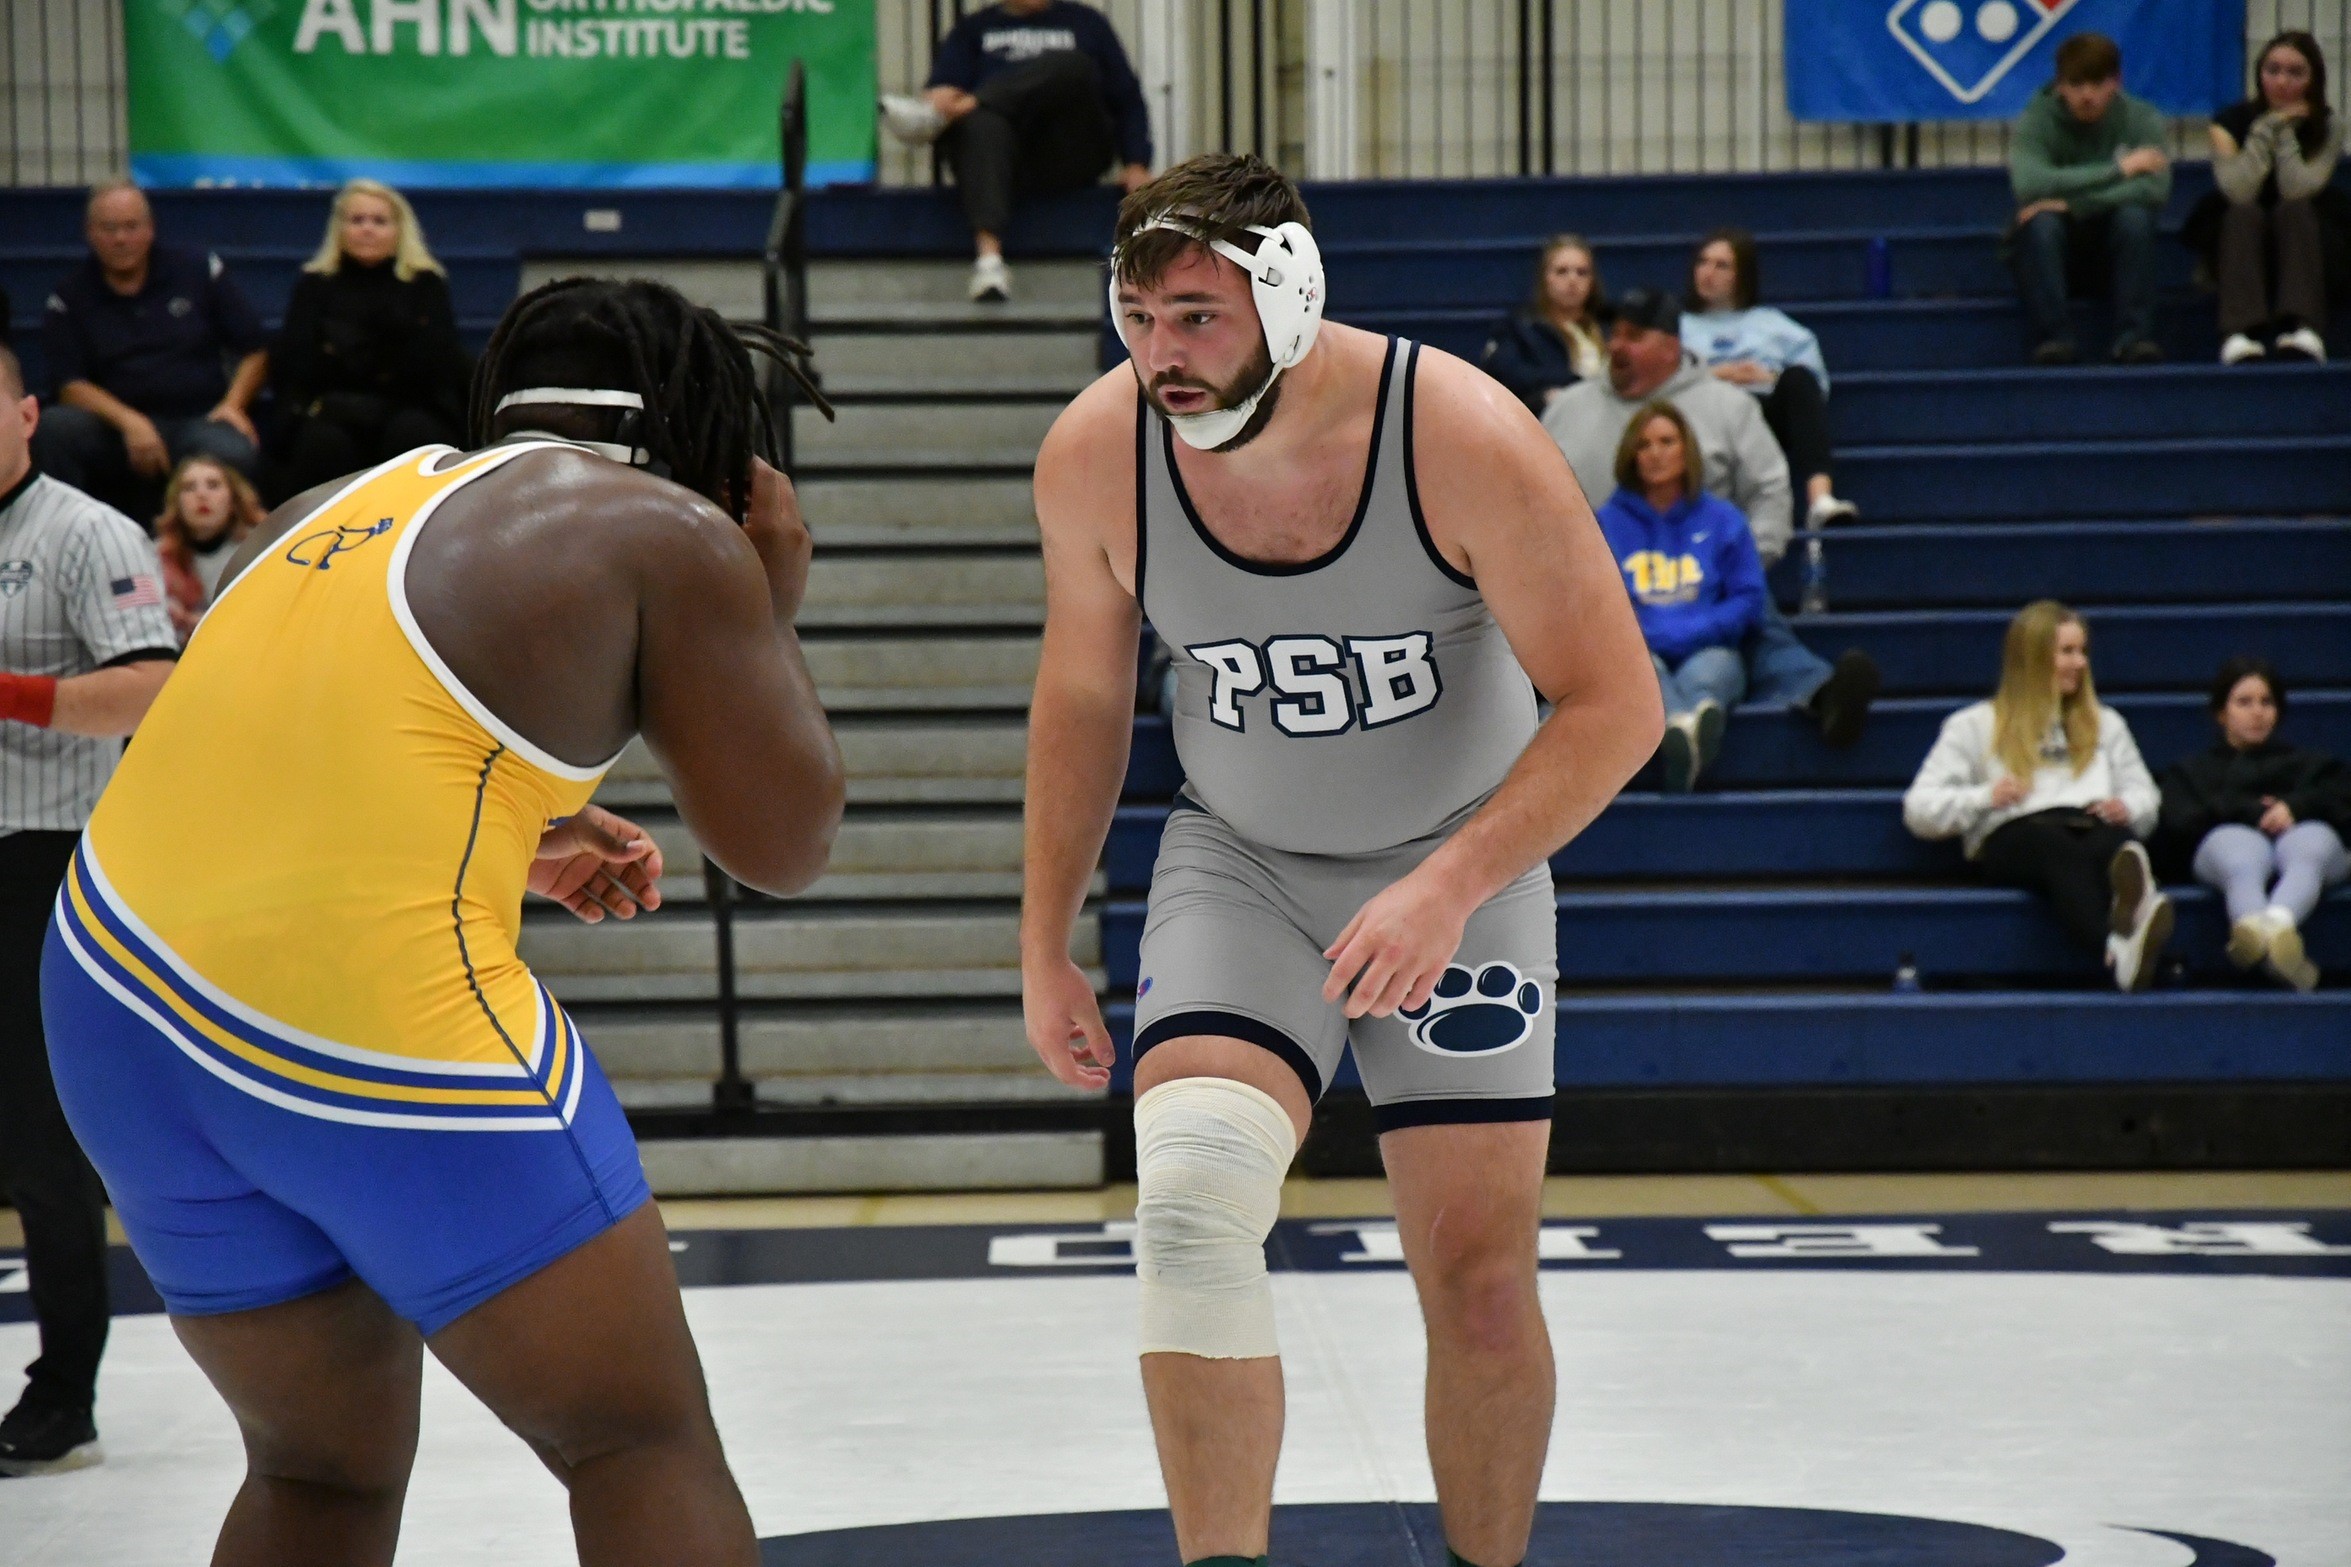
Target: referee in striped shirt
pixel 85 643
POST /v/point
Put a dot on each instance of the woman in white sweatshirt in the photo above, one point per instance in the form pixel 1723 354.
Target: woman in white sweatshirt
pixel 2045 788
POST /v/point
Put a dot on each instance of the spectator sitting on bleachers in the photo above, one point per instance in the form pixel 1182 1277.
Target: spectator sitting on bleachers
pixel 208 509
pixel 1026 98
pixel 1741 463
pixel 2261 820
pixel 1766 352
pixel 2045 788
pixel 2272 157
pixel 2090 176
pixel 1556 338
pixel 137 338
pixel 1690 565
pixel 368 364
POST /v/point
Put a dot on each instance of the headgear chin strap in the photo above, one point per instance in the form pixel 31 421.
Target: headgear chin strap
pixel 1285 284
pixel 625 450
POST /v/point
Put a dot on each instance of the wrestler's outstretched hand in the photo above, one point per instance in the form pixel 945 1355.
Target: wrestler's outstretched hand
pixel 597 863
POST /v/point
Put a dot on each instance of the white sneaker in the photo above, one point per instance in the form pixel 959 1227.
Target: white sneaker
pixel 991 281
pixel 1679 748
pixel 2302 343
pixel 2286 959
pixel 2240 348
pixel 1706 726
pixel 913 119
pixel 2249 940
pixel 2140 921
pixel 1829 509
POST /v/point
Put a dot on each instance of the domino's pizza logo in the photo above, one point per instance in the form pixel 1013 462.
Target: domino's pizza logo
pixel 1970 46
pixel 1476 1013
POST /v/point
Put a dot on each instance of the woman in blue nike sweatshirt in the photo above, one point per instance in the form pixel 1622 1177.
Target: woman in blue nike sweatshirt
pixel 1689 562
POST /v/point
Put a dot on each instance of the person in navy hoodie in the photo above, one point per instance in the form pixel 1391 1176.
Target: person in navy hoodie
pixel 1690 564
pixel 1026 98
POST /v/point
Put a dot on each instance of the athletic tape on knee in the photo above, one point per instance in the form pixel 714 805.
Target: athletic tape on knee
pixel 1210 1155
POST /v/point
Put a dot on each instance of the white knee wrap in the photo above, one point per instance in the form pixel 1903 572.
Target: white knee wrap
pixel 1210 1155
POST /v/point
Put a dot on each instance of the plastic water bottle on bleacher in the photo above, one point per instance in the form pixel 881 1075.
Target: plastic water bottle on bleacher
pixel 1815 596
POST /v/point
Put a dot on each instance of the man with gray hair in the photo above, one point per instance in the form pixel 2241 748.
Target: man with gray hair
pixel 85 643
pixel 1742 463
pixel 139 339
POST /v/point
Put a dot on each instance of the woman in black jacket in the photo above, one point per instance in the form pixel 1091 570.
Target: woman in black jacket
pixel 1556 338
pixel 368 364
pixel 2261 820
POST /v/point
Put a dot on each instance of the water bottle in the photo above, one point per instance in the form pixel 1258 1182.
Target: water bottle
pixel 1815 596
pixel 1906 976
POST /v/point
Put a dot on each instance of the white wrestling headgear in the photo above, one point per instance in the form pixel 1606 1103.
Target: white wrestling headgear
pixel 1286 285
pixel 624 450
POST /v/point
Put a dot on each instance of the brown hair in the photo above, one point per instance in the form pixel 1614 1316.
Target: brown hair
pixel 1628 448
pixel 12 372
pixel 1746 276
pixel 1223 194
pixel 2311 129
pixel 2088 57
pixel 245 508
pixel 2027 701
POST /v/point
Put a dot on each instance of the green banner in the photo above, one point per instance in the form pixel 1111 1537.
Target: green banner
pixel 638 93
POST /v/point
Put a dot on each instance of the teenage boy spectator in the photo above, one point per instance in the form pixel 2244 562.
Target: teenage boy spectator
pixel 139 339
pixel 1696 583
pixel 1560 335
pixel 2044 787
pixel 1741 463
pixel 2087 166
pixel 2261 820
pixel 1026 98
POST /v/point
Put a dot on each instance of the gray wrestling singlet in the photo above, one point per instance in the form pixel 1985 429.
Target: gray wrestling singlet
pixel 1340 705
pixel 1337 719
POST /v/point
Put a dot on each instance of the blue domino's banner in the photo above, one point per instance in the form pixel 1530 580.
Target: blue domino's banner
pixel 1895 60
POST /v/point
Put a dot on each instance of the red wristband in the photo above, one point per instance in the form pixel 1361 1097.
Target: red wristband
pixel 29 699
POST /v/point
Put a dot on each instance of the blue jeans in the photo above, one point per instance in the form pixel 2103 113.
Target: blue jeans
pixel 2058 246
pixel 1781 671
pixel 76 447
pixel 1710 672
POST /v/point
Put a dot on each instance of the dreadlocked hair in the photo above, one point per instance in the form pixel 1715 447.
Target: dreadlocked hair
pixel 706 415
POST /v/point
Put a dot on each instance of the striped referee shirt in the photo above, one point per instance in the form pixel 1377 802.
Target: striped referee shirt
pixel 79 590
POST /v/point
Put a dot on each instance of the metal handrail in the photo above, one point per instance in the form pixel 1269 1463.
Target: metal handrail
pixel 783 261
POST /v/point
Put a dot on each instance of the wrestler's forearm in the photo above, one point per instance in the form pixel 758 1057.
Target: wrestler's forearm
pixel 1076 769
pixel 1582 755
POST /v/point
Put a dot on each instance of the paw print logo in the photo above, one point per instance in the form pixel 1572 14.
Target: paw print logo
pixel 1480 1014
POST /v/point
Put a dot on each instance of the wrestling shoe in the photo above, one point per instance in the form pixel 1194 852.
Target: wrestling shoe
pixel 40 1439
pixel 913 119
pixel 991 281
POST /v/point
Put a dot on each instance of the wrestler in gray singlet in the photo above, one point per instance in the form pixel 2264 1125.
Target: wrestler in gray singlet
pixel 1337 719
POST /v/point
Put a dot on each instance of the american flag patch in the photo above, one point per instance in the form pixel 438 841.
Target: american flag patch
pixel 139 592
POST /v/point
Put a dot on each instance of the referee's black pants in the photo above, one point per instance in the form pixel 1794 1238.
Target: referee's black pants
pixel 1040 129
pixel 55 1191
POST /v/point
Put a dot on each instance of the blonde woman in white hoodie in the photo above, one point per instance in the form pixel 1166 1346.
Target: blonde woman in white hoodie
pixel 2046 790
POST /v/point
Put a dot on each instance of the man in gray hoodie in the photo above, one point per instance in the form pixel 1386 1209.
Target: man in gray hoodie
pixel 1743 464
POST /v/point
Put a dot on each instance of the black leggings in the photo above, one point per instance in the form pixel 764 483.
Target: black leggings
pixel 55 1191
pixel 1040 129
pixel 2062 855
pixel 319 448
pixel 1798 412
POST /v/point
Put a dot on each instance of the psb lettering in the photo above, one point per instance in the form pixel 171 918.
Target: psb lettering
pixel 1318 687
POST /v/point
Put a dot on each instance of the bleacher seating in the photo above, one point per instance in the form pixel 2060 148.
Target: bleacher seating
pixel 1750 934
